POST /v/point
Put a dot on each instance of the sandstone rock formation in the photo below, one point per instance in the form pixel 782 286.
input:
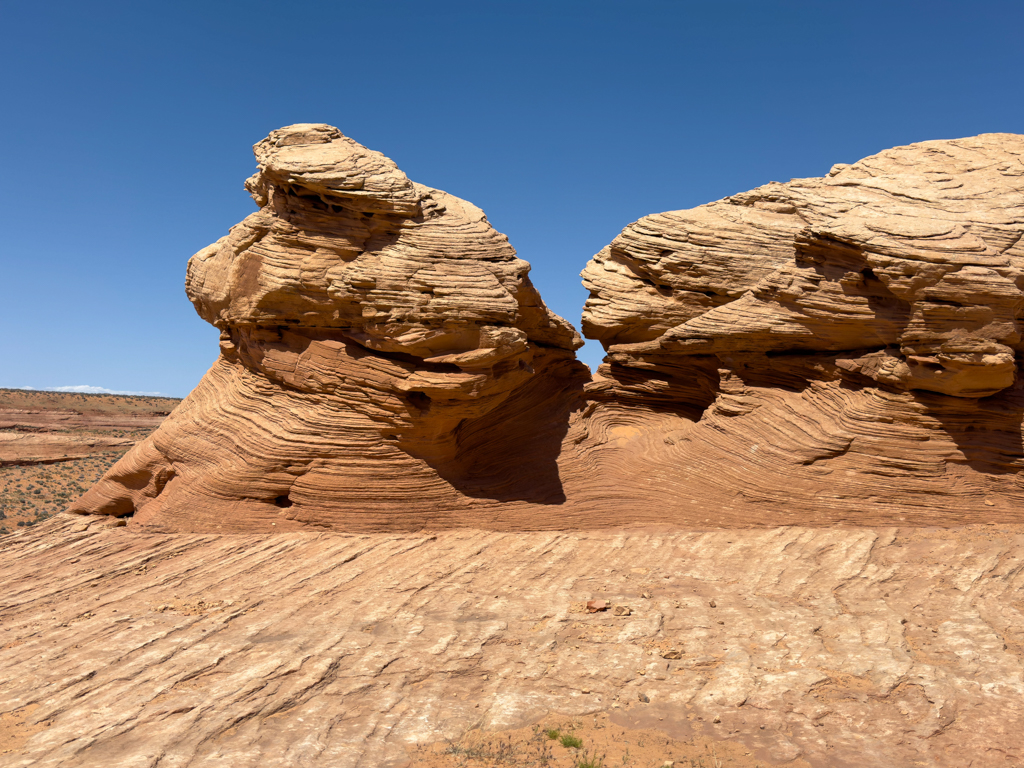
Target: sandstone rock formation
pixel 838 348
pixel 826 647
pixel 829 350
pixel 374 334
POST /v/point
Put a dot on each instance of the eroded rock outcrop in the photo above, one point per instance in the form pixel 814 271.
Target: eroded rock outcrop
pixel 383 354
pixel 837 347
pixel 841 349
pixel 828 350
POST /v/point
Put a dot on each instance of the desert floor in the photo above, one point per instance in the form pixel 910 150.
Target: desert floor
pixel 789 646
pixel 55 445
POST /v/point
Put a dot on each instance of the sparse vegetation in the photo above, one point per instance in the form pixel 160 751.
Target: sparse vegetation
pixel 32 492
pixel 499 751
pixel 590 742
pixel 571 742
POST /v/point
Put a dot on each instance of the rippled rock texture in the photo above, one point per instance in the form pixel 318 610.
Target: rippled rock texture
pixel 797 647
pixel 841 349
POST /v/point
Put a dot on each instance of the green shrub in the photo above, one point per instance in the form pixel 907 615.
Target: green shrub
pixel 571 742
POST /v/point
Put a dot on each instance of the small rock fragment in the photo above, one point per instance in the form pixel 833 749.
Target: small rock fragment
pixel 593 606
pixel 622 610
pixel 644 698
pixel 712 604
pixel 717 719
pixel 645 595
pixel 672 654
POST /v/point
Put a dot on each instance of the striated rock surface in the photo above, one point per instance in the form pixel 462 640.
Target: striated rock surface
pixel 385 361
pixel 841 349
pixel 833 349
pixel 831 648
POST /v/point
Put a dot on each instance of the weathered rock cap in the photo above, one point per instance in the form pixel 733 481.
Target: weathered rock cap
pixel 908 265
pixel 321 160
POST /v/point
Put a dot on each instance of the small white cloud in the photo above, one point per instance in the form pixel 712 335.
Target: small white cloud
pixel 89 390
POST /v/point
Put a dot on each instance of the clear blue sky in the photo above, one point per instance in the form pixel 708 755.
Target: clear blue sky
pixel 127 126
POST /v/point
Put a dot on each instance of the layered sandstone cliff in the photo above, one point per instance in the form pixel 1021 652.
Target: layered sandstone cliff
pixel 841 349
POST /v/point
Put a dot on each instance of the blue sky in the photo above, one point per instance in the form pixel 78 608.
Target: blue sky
pixel 127 130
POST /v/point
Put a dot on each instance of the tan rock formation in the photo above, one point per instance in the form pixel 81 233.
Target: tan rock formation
pixel 375 334
pixel 834 348
pixel 824 351
pixel 828 350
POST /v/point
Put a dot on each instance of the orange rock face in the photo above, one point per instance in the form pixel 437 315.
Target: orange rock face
pixel 828 350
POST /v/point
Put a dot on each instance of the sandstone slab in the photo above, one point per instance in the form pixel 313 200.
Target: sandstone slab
pixel 825 647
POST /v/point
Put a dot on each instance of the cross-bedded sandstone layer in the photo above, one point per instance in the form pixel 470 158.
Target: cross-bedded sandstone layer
pixel 385 361
pixel 841 349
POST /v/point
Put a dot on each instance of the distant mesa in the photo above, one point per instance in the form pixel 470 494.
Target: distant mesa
pixel 87 389
pixel 833 350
